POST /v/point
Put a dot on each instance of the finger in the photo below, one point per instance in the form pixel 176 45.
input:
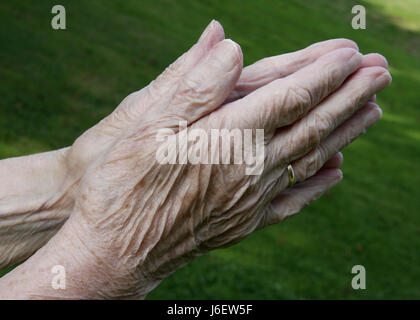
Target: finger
pixel 374 59
pixel 129 109
pixel 293 200
pixel 334 162
pixel 341 137
pixel 283 101
pixel 307 133
pixel 350 130
pixel 266 70
pixel 212 35
pixel 207 85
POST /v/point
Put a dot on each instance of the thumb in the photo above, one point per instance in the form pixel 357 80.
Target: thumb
pixel 212 34
pixel 207 85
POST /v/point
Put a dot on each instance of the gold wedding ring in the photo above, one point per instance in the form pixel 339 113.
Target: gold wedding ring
pixel 291 175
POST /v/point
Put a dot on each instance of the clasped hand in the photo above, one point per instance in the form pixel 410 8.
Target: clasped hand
pixel 133 221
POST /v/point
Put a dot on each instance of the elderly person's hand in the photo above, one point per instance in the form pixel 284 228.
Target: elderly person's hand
pixel 138 217
pixel 41 189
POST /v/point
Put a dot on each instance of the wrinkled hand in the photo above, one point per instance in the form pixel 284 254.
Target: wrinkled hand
pixel 51 203
pixel 136 220
pixel 143 220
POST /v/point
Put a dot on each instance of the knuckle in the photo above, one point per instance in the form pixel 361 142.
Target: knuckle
pixel 312 138
pixel 189 86
pixel 349 135
pixel 193 90
pixel 359 96
pixel 309 165
pixel 272 103
pixel 273 66
pixel 317 128
pixel 313 162
pixel 296 99
pixel 333 74
pixel 155 88
pixel 322 155
pixel 301 169
pixel 324 122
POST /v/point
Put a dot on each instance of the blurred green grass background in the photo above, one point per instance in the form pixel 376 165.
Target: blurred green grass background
pixel 56 84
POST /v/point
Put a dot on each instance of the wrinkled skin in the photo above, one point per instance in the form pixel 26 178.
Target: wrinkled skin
pixel 137 221
pixel 50 204
pixel 32 210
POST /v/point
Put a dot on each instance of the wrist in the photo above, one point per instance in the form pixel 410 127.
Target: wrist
pixel 35 278
pixel 101 272
pixel 38 179
pixel 34 203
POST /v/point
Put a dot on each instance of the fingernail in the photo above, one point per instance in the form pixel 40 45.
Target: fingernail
pixel 380 112
pixel 382 81
pixel 230 48
pixel 341 157
pixel 375 114
pixel 374 118
pixel 339 175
